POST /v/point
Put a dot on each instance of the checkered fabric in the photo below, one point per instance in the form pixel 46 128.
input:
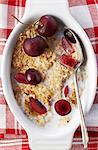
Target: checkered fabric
pixel 12 135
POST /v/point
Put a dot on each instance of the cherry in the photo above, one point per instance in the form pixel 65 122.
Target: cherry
pixel 47 26
pixel 69 36
pixel 62 107
pixel 68 61
pixel 20 77
pixel 67 46
pixel 34 46
pixel 37 106
pixel 66 91
pixel 33 76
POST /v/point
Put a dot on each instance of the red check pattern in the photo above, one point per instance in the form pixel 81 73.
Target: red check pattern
pixel 12 135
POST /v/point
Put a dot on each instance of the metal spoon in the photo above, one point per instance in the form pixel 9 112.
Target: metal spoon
pixel 74 39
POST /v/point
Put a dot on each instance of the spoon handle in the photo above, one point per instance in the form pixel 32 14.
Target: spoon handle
pixel 82 119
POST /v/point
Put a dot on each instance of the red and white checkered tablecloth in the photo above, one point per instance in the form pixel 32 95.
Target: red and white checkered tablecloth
pixel 12 135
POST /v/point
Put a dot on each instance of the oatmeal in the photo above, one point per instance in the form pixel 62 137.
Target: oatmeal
pixel 40 75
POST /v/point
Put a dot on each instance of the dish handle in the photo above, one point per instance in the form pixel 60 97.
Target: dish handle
pixel 42 7
pixel 50 143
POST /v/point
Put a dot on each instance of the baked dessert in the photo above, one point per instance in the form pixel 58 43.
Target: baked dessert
pixel 43 61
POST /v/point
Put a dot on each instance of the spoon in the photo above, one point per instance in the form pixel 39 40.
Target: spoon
pixel 74 39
